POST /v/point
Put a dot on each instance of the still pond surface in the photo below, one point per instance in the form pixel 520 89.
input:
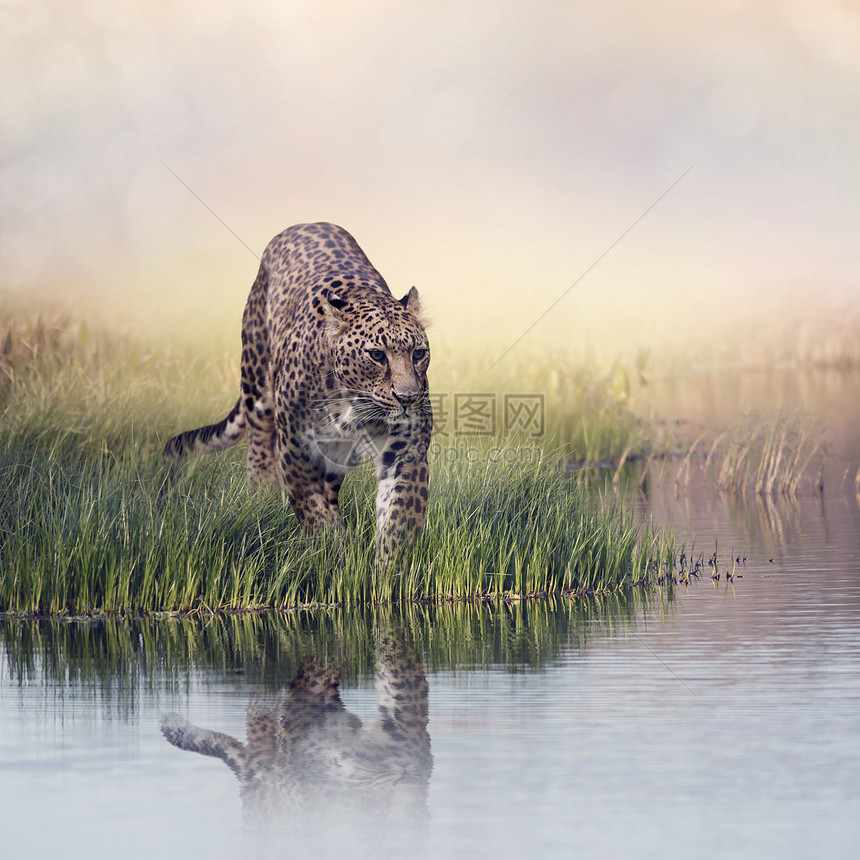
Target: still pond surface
pixel 715 720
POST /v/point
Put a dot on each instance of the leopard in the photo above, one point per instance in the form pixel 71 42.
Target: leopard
pixel 333 371
pixel 307 758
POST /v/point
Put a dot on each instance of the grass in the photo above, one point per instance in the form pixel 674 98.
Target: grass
pixel 770 457
pixel 767 456
pixel 140 384
pixel 104 536
pixel 90 523
pixel 582 405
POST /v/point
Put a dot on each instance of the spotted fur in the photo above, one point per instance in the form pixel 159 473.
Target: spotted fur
pixel 307 755
pixel 333 369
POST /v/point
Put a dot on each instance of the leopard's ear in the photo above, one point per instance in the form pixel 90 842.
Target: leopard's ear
pixel 333 307
pixel 335 300
pixel 411 303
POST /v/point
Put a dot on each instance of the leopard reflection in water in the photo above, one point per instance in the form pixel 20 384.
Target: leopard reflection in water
pixel 306 755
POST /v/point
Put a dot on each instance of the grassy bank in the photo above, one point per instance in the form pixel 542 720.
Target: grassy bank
pixel 89 521
pixel 102 535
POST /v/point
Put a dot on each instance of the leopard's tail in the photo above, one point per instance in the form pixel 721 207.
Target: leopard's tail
pixel 214 437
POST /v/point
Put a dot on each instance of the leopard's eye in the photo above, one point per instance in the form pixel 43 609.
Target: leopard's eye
pixel 418 354
pixel 377 355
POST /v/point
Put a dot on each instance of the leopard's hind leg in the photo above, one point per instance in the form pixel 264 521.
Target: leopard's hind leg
pixel 256 397
pixel 260 464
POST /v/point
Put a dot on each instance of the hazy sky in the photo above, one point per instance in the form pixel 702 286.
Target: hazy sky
pixel 487 151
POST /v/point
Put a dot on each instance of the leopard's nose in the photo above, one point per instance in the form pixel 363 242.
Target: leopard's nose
pixel 410 395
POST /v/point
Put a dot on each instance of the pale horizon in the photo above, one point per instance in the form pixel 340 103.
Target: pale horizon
pixel 487 152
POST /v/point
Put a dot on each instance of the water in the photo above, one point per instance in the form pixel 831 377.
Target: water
pixel 722 719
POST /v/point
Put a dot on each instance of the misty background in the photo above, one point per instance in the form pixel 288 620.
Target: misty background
pixel 487 152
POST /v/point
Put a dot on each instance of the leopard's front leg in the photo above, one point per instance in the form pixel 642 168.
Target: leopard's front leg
pixel 401 499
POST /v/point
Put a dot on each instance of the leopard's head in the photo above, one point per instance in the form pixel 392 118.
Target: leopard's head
pixel 380 352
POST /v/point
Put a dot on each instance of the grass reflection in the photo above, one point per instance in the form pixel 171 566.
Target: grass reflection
pixel 125 658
